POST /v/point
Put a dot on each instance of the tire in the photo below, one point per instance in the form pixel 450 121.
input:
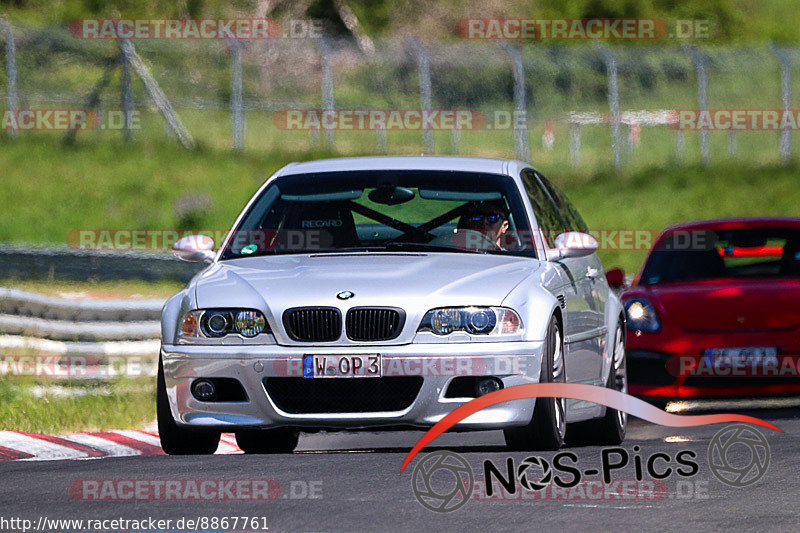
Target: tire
pixel 176 440
pixel 547 429
pixel 263 441
pixel 609 430
pixel 613 426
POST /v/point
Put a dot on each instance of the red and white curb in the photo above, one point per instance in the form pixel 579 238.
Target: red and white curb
pixel 18 445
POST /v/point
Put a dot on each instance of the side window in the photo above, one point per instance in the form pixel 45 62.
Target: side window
pixel 547 215
pixel 572 217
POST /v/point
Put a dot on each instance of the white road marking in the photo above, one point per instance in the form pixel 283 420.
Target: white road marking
pixel 112 449
pixel 42 450
pixel 138 435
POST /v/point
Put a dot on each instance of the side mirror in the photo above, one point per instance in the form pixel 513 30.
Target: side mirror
pixel 194 248
pixel 616 278
pixel 572 244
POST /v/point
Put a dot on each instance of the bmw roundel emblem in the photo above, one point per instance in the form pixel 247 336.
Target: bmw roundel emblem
pixel 345 295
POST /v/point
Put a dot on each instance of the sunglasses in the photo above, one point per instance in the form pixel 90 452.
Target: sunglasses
pixel 488 218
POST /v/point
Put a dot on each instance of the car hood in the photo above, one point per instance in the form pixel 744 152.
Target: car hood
pixel 414 282
pixel 726 304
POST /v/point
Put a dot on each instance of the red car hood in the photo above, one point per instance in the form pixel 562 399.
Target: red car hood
pixel 720 305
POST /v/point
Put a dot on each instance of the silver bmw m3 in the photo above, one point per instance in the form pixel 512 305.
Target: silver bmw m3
pixel 383 293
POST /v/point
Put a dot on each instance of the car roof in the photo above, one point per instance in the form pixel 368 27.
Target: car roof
pixel 452 163
pixel 735 223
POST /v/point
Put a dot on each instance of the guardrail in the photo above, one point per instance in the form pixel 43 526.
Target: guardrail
pixel 31 262
pixel 32 321
pixel 31 304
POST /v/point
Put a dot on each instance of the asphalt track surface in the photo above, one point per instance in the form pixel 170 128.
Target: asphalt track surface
pixel 356 484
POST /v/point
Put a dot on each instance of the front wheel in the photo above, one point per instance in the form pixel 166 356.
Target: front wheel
pixel 547 429
pixel 176 440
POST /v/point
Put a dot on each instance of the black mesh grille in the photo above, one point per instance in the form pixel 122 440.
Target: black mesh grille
pixel 313 324
pixel 374 323
pixel 343 395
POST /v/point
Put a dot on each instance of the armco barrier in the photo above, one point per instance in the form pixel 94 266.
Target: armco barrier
pixel 78 331
pixel 24 262
pixel 30 304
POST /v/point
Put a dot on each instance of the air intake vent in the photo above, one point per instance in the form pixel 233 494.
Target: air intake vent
pixel 562 302
pixel 313 324
pixel 342 395
pixel 374 323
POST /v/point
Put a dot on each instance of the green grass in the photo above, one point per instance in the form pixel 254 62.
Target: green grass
pixel 737 20
pixel 654 198
pixel 124 403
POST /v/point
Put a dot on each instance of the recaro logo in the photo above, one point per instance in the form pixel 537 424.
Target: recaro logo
pixel 331 223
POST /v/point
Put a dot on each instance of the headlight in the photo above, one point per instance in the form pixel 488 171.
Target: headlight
pixel 474 320
pixel 642 316
pixel 215 323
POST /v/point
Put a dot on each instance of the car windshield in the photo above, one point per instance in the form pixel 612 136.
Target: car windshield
pixel 384 211
pixel 737 253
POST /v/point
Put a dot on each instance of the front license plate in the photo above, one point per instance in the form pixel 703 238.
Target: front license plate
pixel 342 366
pixel 749 356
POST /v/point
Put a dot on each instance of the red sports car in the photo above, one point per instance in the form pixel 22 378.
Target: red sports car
pixel 715 311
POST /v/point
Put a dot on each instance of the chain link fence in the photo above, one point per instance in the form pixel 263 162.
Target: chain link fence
pixel 581 104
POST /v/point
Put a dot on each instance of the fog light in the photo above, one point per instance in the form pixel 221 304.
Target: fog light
pixel 486 385
pixel 204 390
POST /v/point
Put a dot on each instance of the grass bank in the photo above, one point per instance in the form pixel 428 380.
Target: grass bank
pixel 57 407
pixel 51 189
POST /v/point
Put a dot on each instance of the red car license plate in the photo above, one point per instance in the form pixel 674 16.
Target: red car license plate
pixel 745 356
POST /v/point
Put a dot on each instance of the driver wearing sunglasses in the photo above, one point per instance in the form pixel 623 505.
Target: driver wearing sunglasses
pixel 488 219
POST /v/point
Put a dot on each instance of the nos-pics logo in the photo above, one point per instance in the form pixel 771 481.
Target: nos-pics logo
pixel 443 481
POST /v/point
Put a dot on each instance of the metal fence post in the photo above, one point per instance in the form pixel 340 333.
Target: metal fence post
pixel 127 97
pixel 237 113
pixel 328 103
pixel 613 101
pixel 455 140
pixel 627 141
pixel 11 70
pixel 786 97
pixel 380 134
pixel 424 68
pixel 522 149
pixel 680 144
pixel 702 97
pixel 171 118
pixel 574 144
pixel 732 144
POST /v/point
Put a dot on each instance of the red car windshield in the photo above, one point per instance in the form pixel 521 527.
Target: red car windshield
pixel 739 253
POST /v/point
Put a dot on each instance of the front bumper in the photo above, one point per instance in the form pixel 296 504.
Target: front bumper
pixel 661 375
pixel 514 363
